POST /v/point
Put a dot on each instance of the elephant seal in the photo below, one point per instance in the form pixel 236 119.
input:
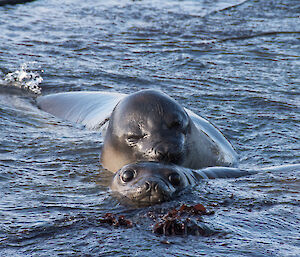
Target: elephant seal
pixel 149 183
pixel 151 126
pixel 145 126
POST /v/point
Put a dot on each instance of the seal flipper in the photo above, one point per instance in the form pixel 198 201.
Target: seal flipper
pixel 221 172
pixel 88 108
pixel 227 152
pixel 227 172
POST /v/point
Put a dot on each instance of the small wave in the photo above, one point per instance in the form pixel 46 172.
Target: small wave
pixel 24 79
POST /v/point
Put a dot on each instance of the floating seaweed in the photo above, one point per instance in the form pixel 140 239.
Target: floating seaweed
pixel 186 220
pixel 116 221
pixel 181 221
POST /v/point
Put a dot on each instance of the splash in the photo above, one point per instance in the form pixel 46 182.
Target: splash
pixel 24 79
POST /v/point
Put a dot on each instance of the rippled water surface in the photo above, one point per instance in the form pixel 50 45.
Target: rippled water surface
pixel 235 63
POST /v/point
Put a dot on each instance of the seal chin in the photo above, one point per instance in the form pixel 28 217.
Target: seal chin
pixel 152 198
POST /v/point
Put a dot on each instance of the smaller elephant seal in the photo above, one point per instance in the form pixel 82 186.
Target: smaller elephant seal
pixel 149 183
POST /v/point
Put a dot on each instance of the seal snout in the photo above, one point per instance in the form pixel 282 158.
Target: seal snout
pixel 152 186
pixel 155 192
pixel 165 153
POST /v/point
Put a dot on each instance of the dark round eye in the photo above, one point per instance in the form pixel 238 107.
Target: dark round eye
pixel 134 137
pixel 128 175
pixel 174 179
pixel 177 123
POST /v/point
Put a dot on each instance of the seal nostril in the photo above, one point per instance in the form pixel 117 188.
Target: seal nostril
pixel 156 187
pixel 147 186
pixel 160 155
pixel 150 185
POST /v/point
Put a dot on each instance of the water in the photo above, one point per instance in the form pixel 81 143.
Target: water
pixel 235 63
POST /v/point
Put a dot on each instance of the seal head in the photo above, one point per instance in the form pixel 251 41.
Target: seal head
pixel 146 126
pixel 149 183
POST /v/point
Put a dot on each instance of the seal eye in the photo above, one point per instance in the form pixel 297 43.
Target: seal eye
pixel 133 139
pixel 176 124
pixel 174 179
pixel 179 124
pixel 128 175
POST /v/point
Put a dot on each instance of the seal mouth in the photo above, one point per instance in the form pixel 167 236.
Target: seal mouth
pixel 153 192
pixel 175 158
pixel 165 158
pixel 164 151
pixel 151 199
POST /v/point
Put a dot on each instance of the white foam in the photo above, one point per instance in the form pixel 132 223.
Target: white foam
pixel 25 79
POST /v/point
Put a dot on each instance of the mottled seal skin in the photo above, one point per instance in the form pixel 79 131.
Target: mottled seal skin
pixel 148 183
pixel 151 126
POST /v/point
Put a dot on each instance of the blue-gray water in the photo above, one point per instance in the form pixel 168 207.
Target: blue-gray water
pixel 236 63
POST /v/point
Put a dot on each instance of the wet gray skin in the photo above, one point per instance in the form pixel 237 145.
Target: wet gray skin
pixel 148 183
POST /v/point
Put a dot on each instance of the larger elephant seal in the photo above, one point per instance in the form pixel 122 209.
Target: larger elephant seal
pixel 144 126
pixel 149 183
pixel 151 126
